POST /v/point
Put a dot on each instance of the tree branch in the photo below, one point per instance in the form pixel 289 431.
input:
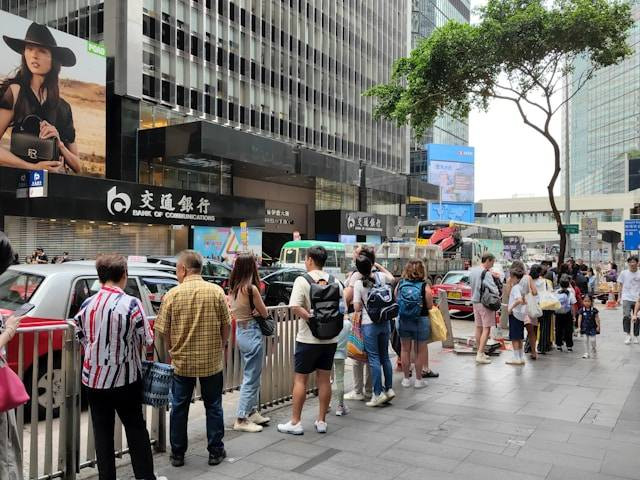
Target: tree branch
pixel 522 96
pixel 582 81
pixel 525 119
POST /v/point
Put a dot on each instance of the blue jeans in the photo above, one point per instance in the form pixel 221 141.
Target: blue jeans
pixel 182 391
pixel 376 343
pixel 249 340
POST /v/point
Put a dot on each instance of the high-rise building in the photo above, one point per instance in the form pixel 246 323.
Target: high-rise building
pixel 426 16
pixel 244 99
pixel 604 123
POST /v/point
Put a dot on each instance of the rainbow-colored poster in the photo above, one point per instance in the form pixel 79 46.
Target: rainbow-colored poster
pixel 224 242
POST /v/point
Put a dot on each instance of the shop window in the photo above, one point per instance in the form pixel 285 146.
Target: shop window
pixel 149 26
pixel 148 85
pixel 180 40
pixel 166 33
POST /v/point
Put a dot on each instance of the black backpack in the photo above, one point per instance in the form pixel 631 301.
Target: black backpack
pixel 327 320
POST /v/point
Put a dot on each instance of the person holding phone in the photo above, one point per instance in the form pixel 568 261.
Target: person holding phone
pixel 32 95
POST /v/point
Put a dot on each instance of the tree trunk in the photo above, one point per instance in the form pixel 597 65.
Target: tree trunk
pixel 552 199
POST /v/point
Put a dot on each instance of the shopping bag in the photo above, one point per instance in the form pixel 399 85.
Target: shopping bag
pixel 156 383
pixel 549 301
pixel 438 327
pixel 13 392
pixel 355 344
pixel 533 308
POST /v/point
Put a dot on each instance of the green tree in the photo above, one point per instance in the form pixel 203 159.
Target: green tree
pixel 521 51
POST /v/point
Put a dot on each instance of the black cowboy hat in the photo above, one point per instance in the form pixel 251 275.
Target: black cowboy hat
pixel 40 35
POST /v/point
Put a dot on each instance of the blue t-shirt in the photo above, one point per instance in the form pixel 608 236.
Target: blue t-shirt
pixel 588 324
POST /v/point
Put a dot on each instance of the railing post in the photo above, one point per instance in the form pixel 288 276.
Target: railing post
pixel 443 305
pixel 70 406
pixel 158 415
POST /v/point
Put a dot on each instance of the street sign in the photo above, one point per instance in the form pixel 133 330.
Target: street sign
pixel 589 227
pixel 572 228
pixel 631 235
pixel 32 184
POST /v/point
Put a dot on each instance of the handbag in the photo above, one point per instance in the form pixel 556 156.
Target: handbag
pixel 355 344
pixel 13 392
pixel 267 324
pixel 438 327
pixel 27 144
pixel 533 308
pixel 156 382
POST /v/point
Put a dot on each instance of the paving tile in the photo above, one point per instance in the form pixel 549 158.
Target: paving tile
pixel 294 447
pixel 267 473
pixel 556 458
pixel 627 466
pixel 279 460
pixel 237 469
pixel 433 449
pixel 424 460
pixel 530 467
pixel 471 445
pixel 583 450
pixel 564 473
pixel 481 472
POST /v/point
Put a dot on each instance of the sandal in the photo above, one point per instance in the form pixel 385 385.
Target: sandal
pixel 430 374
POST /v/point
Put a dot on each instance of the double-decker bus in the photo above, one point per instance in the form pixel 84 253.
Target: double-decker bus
pixel 469 239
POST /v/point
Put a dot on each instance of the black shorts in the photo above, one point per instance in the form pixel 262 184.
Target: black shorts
pixel 516 328
pixel 310 357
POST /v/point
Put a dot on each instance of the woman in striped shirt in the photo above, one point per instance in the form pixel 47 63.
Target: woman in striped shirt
pixel 113 329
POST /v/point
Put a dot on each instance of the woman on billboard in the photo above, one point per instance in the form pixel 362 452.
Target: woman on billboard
pixel 43 135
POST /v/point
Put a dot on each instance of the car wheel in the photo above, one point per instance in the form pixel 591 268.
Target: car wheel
pixel 41 395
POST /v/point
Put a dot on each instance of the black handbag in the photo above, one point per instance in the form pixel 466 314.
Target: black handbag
pixel 27 144
pixel 267 324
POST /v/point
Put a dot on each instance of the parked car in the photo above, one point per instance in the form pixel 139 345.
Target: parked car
pixel 276 287
pixel 58 291
pixel 456 284
pixel 212 270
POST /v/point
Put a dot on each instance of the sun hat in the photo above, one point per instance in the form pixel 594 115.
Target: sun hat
pixel 38 34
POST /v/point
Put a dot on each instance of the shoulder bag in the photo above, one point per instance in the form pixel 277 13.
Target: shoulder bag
pixel 13 392
pixel 267 324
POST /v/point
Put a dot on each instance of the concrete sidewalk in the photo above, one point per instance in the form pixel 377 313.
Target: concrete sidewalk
pixel 561 417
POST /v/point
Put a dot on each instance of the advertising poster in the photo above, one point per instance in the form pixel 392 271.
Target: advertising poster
pixel 451 167
pixel 52 99
pixel 224 243
pixel 461 212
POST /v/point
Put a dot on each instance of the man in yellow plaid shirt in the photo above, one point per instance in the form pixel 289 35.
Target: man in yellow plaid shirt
pixel 194 322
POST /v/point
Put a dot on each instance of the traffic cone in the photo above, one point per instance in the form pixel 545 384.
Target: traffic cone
pixel 611 302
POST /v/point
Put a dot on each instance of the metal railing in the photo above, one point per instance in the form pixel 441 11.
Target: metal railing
pixel 55 368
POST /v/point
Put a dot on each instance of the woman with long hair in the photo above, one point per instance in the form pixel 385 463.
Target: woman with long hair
pixel 245 302
pixel 376 335
pixel 414 328
pixel 30 100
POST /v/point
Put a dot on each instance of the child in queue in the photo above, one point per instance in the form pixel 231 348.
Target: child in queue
pixel 589 325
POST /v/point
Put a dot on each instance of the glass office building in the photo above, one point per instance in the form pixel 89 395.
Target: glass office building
pixel 604 123
pixel 426 16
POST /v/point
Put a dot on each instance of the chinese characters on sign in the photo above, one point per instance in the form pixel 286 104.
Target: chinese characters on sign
pixel 359 222
pixel 278 216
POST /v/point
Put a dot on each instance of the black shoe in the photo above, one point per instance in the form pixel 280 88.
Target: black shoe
pixel 218 457
pixel 430 374
pixel 177 460
pixel 569 349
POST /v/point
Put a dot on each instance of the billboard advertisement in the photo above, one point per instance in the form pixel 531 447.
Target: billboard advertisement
pixel 461 212
pixel 52 99
pixel 451 167
pixel 224 243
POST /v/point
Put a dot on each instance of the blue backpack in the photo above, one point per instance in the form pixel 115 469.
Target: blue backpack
pixel 409 300
pixel 380 306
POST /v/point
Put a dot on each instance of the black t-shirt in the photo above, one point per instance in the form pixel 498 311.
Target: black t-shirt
pixel 59 114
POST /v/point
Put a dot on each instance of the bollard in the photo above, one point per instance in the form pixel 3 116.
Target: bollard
pixel 443 305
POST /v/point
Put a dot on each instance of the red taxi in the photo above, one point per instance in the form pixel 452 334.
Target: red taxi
pixel 456 284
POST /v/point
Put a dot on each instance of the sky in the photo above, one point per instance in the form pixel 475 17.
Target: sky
pixel 510 157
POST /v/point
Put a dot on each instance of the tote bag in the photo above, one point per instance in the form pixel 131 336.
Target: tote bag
pixel 13 392
pixel 533 308
pixel 438 327
pixel 355 344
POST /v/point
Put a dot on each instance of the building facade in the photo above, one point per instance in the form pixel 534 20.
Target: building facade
pixel 604 123
pixel 249 101
pixel 426 16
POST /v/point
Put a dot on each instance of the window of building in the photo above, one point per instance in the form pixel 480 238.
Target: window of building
pixel 180 95
pixel 180 40
pixel 149 26
pixel 194 46
pixel 166 91
pixel 166 33
pixel 148 85
pixel 194 99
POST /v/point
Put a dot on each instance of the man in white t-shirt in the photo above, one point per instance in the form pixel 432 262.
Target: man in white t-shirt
pixel 311 353
pixel 629 281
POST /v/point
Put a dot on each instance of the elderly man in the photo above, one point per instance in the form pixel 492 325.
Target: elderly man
pixel 194 322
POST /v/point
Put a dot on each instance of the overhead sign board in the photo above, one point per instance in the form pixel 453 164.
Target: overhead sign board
pixel 631 235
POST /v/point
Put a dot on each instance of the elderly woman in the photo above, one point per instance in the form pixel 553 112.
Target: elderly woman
pixel 10 451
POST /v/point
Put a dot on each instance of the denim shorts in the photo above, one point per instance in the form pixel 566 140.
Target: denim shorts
pixel 418 329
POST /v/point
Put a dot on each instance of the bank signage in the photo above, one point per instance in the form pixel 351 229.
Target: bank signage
pixel 362 223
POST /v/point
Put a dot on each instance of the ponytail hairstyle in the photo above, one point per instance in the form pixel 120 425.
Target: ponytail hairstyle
pixel 364 265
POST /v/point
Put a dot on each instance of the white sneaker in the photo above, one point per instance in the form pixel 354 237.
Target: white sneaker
pixel 289 427
pixel 627 340
pixel 420 383
pixel 406 382
pixel 321 427
pixel 342 410
pixel 586 355
pixel 377 400
pixel 248 427
pixel 258 419
pixel 483 360
pixel 390 394
pixel 635 340
pixel 161 478
pixel 353 395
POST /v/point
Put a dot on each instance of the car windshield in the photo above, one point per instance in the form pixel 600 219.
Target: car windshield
pixel 17 288
pixel 455 278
